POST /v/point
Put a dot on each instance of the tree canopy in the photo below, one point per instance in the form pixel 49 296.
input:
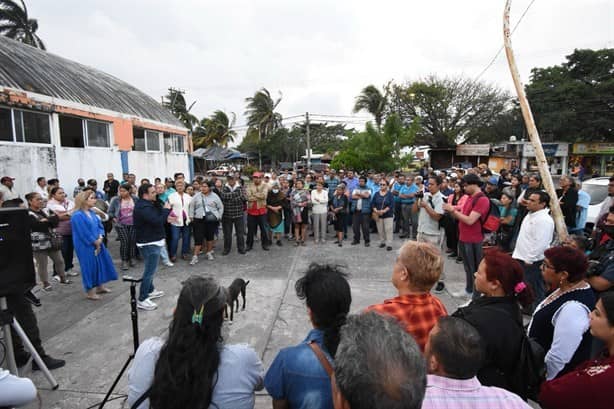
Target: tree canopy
pixel 574 101
pixel 450 109
pixel 372 101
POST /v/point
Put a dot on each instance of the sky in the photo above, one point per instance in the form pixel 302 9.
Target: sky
pixel 316 54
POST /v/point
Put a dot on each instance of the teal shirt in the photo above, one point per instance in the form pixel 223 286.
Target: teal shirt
pixel 406 190
pixel 503 212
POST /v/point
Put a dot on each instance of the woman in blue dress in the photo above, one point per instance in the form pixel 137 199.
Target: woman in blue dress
pixel 96 265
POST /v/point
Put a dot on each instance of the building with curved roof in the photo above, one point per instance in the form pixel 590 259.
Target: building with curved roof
pixel 59 118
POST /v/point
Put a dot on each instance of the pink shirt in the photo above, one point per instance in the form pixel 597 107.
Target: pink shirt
pixel 448 393
pixel 473 233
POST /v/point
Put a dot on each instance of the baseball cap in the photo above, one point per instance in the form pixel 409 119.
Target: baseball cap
pixel 472 179
pixel 493 180
pixel 5 178
pixel 257 174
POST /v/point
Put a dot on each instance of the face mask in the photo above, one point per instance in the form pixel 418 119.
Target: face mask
pixel 609 230
pixel 275 191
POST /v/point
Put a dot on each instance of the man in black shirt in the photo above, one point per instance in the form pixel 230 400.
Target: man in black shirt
pixel 110 187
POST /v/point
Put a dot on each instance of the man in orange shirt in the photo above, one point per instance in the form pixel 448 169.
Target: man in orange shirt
pixel 416 270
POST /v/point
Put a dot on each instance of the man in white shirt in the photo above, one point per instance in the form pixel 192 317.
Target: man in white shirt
pixel 534 238
pixel 41 188
pixel 6 189
pixel 431 211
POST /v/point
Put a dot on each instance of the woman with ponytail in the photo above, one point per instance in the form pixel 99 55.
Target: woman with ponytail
pixel 497 317
pixel 193 368
pixel 297 378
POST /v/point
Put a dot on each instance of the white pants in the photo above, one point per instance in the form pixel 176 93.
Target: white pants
pixel 384 230
pixel 319 226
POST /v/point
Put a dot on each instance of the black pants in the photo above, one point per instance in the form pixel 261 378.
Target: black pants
pixel 239 225
pixel 22 311
pixel 451 228
pixel 288 221
pixel 398 217
pixel 253 223
pixel 361 221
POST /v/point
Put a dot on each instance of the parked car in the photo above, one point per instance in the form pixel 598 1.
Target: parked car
pixel 219 171
pixel 597 188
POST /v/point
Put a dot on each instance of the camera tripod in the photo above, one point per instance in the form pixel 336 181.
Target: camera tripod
pixel 7 320
pixel 135 334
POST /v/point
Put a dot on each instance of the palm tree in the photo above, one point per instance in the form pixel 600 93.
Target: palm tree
pixel 15 24
pixel 216 129
pixel 261 115
pixel 372 101
pixel 175 102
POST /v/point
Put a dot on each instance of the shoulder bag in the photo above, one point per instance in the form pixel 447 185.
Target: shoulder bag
pixel 209 216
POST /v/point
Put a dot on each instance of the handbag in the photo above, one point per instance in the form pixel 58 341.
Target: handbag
pixel 209 216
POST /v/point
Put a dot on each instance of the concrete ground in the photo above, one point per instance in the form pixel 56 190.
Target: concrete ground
pixel 95 338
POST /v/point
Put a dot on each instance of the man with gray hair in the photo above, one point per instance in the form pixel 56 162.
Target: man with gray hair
pixel 377 366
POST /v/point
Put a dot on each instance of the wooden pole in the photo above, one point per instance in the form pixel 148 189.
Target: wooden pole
pixel 542 163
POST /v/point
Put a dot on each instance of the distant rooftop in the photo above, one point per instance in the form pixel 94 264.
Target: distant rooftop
pixel 29 69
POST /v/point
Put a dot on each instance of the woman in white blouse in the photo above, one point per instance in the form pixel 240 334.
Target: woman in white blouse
pixel 180 228
pixel 319 210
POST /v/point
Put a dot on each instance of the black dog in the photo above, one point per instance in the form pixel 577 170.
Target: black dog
pixel 237 287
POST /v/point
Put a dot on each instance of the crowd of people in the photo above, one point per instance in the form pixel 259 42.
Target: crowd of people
pixel 476 354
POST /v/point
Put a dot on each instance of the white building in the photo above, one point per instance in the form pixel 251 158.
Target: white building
pixel 60 119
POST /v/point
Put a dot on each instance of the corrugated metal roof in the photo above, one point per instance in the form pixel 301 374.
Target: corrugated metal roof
pixel 30 69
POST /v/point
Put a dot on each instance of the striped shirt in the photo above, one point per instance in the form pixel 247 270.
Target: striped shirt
pixel 448 393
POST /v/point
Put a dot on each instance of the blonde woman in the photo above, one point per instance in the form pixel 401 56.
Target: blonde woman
pixel 87 232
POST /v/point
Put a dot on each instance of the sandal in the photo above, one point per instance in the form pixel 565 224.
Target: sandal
pixel 65 281
pixel 102 290
pixel 93 297
pixel 47 287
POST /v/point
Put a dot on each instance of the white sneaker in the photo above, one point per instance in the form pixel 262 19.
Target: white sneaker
pixel 146 305
pixel 210 255
pixel 155 294
pixel 194 260
pixel 57 278
pixel 168 264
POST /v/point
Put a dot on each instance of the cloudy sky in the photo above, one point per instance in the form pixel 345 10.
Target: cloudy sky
pixel 319 54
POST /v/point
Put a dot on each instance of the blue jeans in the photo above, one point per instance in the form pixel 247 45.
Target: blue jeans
pixel 151 255
pixel 182 232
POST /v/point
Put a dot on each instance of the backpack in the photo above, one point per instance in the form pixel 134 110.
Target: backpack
pixel 492 221
pixel 530 370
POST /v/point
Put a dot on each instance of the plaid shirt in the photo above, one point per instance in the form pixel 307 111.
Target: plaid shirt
pixel 233 201
pixel 417 312
pixel 448 393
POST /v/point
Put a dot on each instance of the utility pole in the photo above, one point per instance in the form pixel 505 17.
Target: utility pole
pixel 529 121
pixel 308 141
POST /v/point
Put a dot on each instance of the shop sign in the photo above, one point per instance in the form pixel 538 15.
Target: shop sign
pixel 473 150
pixel 550 149
pixel 593 148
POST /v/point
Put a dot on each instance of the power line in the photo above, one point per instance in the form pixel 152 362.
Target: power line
pixel 501 49
pixel 342 116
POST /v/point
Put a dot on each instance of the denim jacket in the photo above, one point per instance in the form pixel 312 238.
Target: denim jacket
pixel 296 375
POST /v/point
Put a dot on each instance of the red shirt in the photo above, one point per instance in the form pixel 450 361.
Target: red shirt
pixel 473 233
pixel 255 210
pixel 587 386
pixel 417 312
